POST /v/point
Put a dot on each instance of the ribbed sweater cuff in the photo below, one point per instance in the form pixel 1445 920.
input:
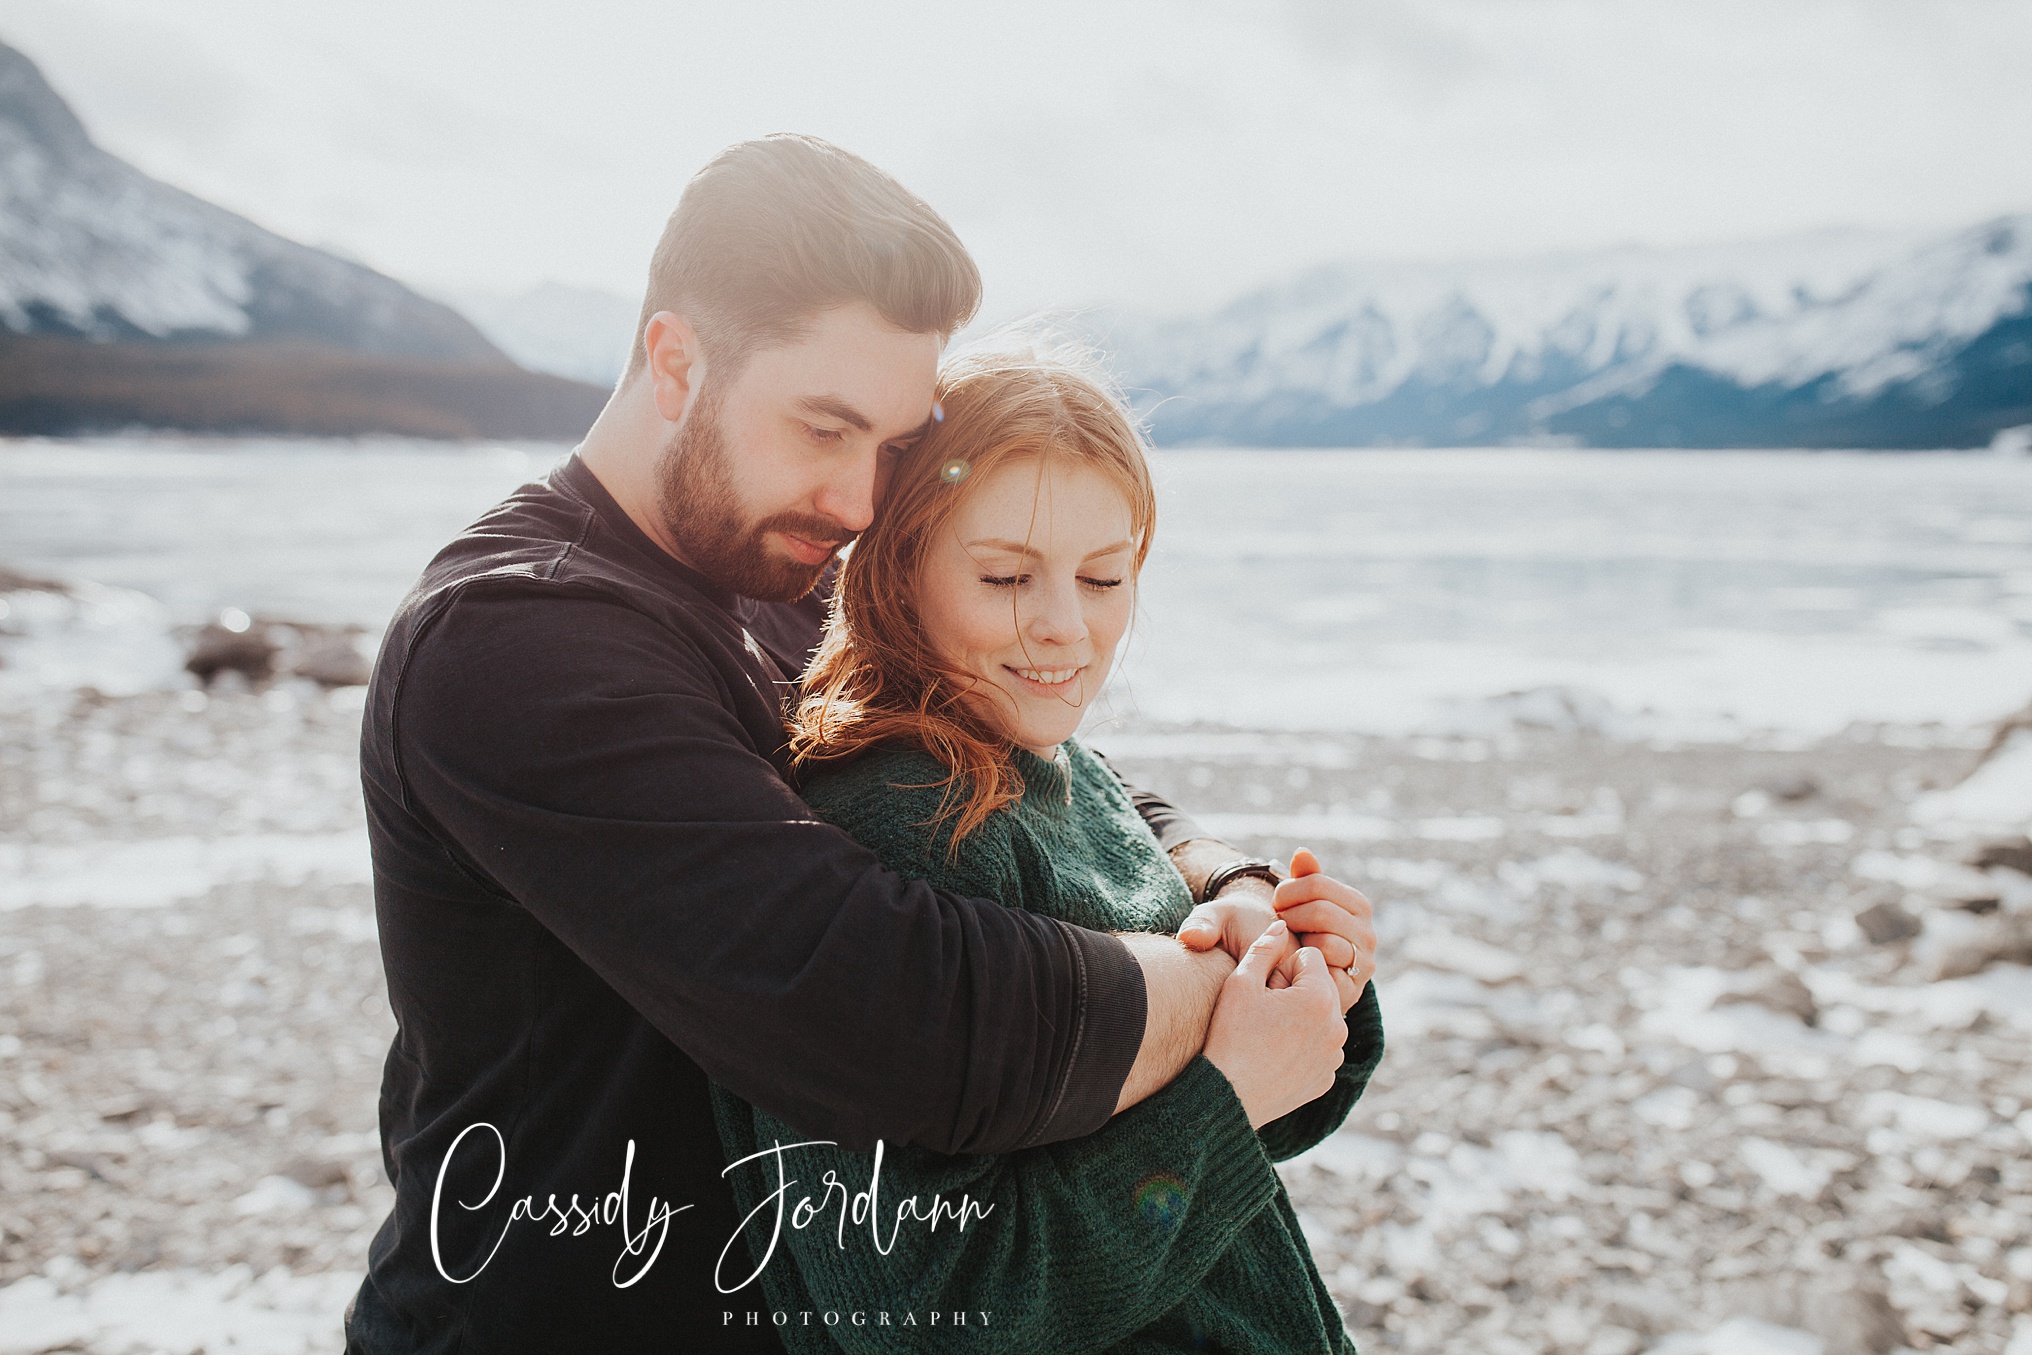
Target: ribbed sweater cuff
pixel 1113 1010
pixel 1236 1177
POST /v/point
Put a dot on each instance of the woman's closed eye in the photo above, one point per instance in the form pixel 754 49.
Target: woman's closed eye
pixel 1015 580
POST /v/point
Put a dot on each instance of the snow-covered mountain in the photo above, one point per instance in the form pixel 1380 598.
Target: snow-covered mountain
pixel 92 247
pixel 1833 339
pixel 125 302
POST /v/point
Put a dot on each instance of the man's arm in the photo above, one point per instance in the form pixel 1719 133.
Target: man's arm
pixel 1180 989
pixel 585 764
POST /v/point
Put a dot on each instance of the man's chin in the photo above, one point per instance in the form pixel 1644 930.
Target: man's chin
pixel 782 580
pixel 793 592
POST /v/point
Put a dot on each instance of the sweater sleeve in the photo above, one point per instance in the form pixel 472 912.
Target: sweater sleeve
pixel 1292 1134
pixel 1068 1247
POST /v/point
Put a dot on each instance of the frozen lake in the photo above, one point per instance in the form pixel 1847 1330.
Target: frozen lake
pixel 1688 593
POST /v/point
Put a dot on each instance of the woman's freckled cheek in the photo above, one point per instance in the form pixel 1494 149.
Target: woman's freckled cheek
pixel 970 622
pixel 984 630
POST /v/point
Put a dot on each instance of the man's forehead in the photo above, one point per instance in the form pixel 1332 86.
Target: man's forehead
pixel 852 365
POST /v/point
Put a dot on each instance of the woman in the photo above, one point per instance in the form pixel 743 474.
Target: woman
pixel 975 621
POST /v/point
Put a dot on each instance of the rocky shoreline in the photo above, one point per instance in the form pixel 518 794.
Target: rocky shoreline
pixel 1667 1071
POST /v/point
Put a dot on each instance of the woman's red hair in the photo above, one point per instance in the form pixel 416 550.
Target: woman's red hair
pixel 876 677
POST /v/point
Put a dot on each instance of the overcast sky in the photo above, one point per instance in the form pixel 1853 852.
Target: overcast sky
pixel 1166 153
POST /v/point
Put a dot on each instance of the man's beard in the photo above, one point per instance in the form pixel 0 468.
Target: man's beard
pixel 702 513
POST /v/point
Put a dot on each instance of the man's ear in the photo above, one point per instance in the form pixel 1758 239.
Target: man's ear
pixel 674 364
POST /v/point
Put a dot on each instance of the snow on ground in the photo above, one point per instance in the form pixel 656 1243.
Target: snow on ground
pixel 177 1312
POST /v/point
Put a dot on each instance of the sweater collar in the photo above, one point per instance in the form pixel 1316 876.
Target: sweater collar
pixel 1050 779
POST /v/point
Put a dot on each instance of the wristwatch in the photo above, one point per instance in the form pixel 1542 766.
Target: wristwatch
pixel 1224 875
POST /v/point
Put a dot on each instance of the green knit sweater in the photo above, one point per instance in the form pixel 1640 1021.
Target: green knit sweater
pixel 1165 1230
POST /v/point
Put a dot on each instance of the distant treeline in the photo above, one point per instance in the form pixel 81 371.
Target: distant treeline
pixel 53 386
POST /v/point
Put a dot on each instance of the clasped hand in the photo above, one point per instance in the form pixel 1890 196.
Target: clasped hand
pixel 1329 917
pixel 1305 953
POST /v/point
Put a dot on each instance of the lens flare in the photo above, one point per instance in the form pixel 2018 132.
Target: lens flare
pixel 955 470
pixel 1160 1199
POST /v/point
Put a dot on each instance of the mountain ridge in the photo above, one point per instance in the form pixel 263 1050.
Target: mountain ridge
pixel 103 269
pixel 1831 339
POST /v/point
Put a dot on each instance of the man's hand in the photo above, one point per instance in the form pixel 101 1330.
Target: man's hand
pixel 1278 1049
pixel 1243 912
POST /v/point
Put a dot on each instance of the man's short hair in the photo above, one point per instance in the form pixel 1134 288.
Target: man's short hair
pixel 773 231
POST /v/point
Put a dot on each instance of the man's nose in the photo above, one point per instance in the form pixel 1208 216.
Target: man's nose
pixel 848 497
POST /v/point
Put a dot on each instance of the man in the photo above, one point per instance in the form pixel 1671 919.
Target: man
pixel 596 889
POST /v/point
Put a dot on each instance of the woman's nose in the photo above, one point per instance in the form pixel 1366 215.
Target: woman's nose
pixel 1058 618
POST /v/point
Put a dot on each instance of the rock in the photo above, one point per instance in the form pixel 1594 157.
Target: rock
pixel 1856 1319
pixel 261 649
pixel 315 1173
pixel 1923 1220
pixel 332 661
pixel 218 649
pixel 1778 989
pixel 1791 788
pixel 274 1194
pixel 1884 923
pixel 1462 955
pixel 1956 944
pixel 1848 1314
pixel 1567 709
pixel 2010 854
pixel 1744 1336
pixel 13 581
pixel 1924 1117
pixel 1695 1076
pixel 1614 1341
pixel 1647 1311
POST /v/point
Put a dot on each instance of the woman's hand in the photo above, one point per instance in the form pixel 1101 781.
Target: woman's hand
pixel 1278 1048
pixel 1333 918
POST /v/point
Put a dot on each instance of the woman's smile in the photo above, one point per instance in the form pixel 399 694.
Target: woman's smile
pixel 1050 680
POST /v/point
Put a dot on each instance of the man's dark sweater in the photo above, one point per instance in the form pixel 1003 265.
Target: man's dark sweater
pixel 596 889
